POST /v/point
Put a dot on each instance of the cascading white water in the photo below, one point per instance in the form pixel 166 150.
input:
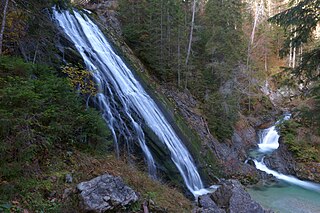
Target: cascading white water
pixel 290 179
pixel 269 138
pixel 269 141
pixel 121 97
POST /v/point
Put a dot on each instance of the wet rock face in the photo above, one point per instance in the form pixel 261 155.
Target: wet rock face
pixel 105 193
pixel 308 171
pixel 67 52
pixel 107 13
pixel 232 153
pixel 281 160
pixel 230 197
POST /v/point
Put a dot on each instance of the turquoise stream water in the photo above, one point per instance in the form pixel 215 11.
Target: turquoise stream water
pixel 289 195
pixel 286 198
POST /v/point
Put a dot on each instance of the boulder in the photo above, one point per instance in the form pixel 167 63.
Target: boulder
pixel 105 193
pixel 208 205
pixel 281 160
pixel 230 197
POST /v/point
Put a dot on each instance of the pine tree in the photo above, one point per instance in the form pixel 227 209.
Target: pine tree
pixel 219 52
pixel 300 22
pixel 157 31
pixel 222 36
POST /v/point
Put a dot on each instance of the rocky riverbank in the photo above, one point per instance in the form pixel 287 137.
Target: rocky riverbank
pixel 106 192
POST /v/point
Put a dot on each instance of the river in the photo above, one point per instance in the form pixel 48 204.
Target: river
pixel 289 194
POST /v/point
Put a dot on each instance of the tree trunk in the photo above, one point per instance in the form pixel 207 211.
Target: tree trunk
pixel 191 31
pixel 190 41
pixel 294 53
pixel 265 59
pixel 3 24
pixel 300 55
pixel 168 37
pixel 161 37
pixel 179 59
pixel 259 7
pixel 290 52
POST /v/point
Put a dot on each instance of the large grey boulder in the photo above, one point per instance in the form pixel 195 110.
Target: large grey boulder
pixel 104 193
pixel 208 205
pixel 232 197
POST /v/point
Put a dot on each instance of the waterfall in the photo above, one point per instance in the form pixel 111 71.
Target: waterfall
pixel 269 141
pixel 124 103
pixel 269 138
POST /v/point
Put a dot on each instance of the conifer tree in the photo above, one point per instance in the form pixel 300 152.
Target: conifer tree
pixel 303 18
pixel 300 22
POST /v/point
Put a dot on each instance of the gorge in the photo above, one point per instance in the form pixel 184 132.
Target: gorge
pixel 159 106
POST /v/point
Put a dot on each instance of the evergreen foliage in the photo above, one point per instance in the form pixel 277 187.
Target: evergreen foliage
pixel 30 32
pixel 300 22
pixel 304 149
pixel 158 31
pixel 222 35
pixel 38 111
pixel 221 113
pixel 221 51
pixel 302 18
pixel 308 69
pixel 310 113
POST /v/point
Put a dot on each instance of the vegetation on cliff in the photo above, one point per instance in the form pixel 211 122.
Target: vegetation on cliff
pixel 300 22
pixel 40 115
pixel 302 133
pixel 159 34
pixel 46 133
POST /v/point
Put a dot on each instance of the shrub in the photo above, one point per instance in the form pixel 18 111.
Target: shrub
pixel 39 110
pixel 301 147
